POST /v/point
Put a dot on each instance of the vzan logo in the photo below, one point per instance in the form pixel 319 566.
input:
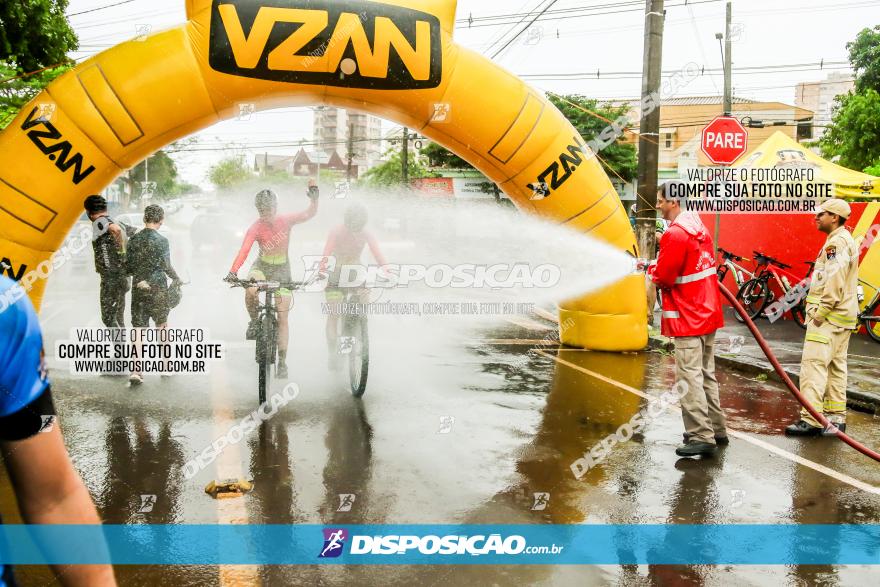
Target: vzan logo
pixel 57 151
pixel 333 43
pixel 6 267
pixel 570 160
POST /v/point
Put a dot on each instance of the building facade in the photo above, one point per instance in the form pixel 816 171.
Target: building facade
pixel 303 164
pixel 682 121
pixel 334 126
pixel 819 97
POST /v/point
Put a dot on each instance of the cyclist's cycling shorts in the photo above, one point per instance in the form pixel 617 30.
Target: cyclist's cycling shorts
pixel 263 271
pixel 147 305
pixel 336 295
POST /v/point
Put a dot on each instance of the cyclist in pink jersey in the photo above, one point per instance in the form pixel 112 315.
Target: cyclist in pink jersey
pixel 272 234
pixel 345 244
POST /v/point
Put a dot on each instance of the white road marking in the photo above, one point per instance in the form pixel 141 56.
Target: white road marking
pixel 526 323
pixel 842 477
pixel 228 466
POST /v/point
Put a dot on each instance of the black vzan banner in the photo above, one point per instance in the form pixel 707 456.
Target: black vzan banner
pixel 323 42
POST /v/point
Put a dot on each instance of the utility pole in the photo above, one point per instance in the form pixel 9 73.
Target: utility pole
pixel 728 63
pixel 404 157
pixel 727 57
pixel 350 151
pixel 649 132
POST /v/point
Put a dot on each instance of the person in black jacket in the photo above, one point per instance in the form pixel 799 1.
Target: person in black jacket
pixel 148 261
pixel 108 242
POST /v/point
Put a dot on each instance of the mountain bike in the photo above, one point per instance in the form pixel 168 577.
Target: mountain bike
pixel 870 316
pixel 729 264
pixel 353 338
pixel 756 294
pixel 267 326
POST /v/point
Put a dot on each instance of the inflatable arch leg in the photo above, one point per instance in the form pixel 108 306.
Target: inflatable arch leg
pixel 396 59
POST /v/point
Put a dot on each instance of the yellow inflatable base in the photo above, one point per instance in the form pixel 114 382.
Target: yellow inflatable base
pixel 621 329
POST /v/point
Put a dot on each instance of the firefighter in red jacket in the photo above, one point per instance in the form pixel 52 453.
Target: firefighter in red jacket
pixel 686 274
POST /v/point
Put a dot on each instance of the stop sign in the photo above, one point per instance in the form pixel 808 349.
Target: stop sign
pixel 724 140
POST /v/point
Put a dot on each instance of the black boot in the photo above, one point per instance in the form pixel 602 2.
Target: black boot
pixel 696 449
pixel 802 429
pixel 719 440
pixel 833 428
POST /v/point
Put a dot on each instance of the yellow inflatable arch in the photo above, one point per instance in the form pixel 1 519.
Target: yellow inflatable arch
pixel 396 59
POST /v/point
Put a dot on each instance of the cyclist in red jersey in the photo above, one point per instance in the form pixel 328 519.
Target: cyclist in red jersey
pixel 272 234
pixel 345 244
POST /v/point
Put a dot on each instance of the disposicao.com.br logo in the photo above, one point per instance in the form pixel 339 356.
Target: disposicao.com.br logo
pixel 334 542
pixel 477 545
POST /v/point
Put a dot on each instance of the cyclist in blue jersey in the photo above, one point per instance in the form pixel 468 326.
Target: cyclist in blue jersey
pixel 47 487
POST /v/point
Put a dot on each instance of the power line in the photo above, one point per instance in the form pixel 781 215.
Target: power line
pixel 101 8
pixel 638 6
pixel 524 15
pixel 498 38
pixel 593 11
pixel 524 29
pixel 746 70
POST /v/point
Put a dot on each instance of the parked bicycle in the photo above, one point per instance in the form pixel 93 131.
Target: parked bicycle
pixel 757 293
pixel 730 265
pixel 267 326
pixel 870 316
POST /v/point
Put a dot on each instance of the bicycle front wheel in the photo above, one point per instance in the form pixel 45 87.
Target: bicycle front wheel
pixel 266 349
pixel 359 359
pixel 871 320
pixel 753 295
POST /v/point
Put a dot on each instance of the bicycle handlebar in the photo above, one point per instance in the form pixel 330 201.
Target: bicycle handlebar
pixel 270 286
pixel 729 255
pixel 763 259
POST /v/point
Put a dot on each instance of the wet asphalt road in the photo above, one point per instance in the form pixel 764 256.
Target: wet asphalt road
pixel 517 427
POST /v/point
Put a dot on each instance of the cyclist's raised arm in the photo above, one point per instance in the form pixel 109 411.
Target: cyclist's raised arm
pixel 308 213
pixel 245 250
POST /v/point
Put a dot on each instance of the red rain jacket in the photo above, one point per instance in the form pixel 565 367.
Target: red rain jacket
pixel 685 272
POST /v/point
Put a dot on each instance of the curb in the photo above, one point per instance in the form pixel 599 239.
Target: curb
pixel 856 399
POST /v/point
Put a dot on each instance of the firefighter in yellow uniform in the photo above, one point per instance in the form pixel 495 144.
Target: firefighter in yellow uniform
pixel 832 316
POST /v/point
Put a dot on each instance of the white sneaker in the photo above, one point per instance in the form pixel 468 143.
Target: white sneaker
pixel 136 379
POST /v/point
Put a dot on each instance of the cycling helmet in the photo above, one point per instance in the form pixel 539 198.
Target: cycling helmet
pixel 266 199
pixel 356 217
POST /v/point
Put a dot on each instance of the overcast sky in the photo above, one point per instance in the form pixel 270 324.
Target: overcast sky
pixel 777 33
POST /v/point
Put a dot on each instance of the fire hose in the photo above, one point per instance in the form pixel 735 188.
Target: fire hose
pixel 789 383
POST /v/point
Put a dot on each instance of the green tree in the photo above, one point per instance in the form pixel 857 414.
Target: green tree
pixel 390 173
pixel 34 40
pixel 229 172
pixel 854 133
pixel 864 54
pixel 17 90
pixel 35 34
pixel 440 156
pixel 162 171
pixel 618 158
